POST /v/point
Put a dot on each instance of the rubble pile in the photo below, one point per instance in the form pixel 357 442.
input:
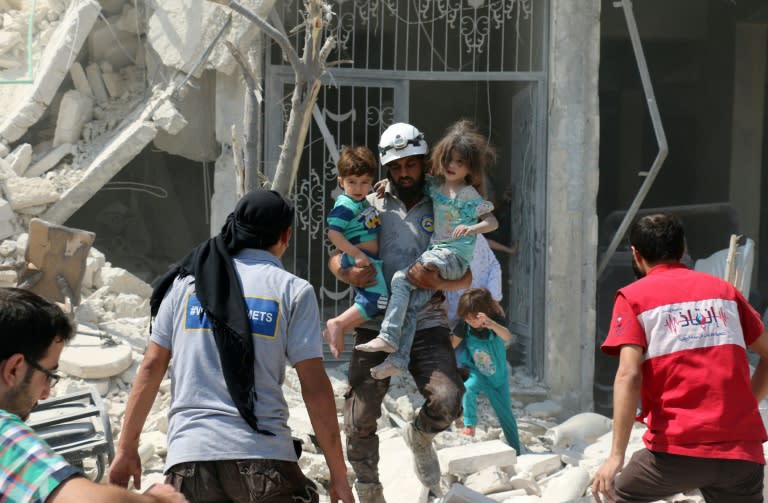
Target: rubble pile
pixel 107 78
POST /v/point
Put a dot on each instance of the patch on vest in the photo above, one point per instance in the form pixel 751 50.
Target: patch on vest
pixel 263 315
pixel 428 224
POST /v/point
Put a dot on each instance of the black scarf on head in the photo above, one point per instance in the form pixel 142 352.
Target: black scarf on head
pixel 258 220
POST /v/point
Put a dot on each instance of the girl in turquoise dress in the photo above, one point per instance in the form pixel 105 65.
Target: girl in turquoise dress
pixel 484 334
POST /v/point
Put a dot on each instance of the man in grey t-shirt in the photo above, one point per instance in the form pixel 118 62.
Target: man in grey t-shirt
pixel 406 227
pixel 229 318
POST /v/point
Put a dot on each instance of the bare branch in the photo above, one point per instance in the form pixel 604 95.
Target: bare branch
pixel 250 78
pixel 339 62
pixel 328 46
pixel 270 30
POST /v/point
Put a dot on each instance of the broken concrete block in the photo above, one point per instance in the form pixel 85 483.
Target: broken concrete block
pixel 7 220
pixel 474 457
pixel 129 305
pixel 488 480
pixel 30 102
pixel 93 72
pixel 20 158
pixel 8 278
pixel 50 160
pixel 114 84
pixel 197 141
pixel 88 357
pixel 168 118
pixel 75 110
pixel 93 263
pixel 566 485
pixel 463 494
pixel 118 280
pixel 6 171
pixel 3 149
pixel 538 464
pixel 27 192
pixel 80 80
pixel 582 429
pixel 545 409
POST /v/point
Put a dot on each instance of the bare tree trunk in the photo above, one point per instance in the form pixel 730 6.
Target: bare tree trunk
pixel 308 70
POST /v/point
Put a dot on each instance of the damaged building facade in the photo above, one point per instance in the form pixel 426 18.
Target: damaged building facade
pixel 118 116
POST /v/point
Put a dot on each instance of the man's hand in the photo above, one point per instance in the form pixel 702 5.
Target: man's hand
pixel 126 464
pixel 427 277
pixel 603 483
pixel 339 490
pixel 423 276
pixel 165 493
pixel 360 277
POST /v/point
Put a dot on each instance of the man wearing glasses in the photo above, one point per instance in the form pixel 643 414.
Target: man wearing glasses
pixel 32 335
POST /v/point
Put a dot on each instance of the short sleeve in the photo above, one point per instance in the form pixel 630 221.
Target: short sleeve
pixel 625 328
pixel 751 324
pixel 304 329
pixel 339 217
pixel 163 324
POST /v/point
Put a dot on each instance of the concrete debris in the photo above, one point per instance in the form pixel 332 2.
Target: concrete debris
pixel 28 103
pixel 75 110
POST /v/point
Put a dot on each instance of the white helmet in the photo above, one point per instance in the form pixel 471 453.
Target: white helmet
pixel 401 140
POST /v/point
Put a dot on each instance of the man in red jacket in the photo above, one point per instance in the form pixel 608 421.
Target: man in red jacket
pixel 681 337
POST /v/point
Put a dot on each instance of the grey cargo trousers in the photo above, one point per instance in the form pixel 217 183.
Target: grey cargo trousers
pixel 433 367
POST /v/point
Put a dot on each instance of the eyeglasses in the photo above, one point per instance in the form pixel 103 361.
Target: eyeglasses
pixel 53 377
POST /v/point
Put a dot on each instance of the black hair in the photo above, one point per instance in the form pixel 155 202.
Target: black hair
pixel 29 324
pixel 658 238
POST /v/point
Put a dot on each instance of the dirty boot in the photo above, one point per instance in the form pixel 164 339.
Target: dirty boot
pixel 370 492
pixel 424 457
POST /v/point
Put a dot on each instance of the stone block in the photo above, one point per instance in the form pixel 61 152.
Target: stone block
pixel 476 456
pixel 114 84
pixel 20 158
pixel 50 160
pixel 168 118
pixel 27 192
pixel 118 280
pixel 80 80
pixel 566 485
pixel 462 494
pixel 538 464
pixel 93 72
pixel 488 480
pixel 89 358
pixel 582 429
pixel 7 220
pixel 75 110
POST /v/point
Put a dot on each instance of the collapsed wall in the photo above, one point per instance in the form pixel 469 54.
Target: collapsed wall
pixel 110 78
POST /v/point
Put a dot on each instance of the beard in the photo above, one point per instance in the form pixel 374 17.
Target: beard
pixel 408 194
pixel 639 274
pixel 18 399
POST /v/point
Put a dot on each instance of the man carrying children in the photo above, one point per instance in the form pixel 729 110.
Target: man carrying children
pixel 406 226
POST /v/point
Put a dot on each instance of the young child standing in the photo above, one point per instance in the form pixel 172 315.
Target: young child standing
pixel 353 228
pixel 484 333
pixel 460 213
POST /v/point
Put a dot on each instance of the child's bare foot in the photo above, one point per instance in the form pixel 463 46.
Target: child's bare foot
pixel 386 369
pixel 468 431
pixel 334 336
pixel 377 344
